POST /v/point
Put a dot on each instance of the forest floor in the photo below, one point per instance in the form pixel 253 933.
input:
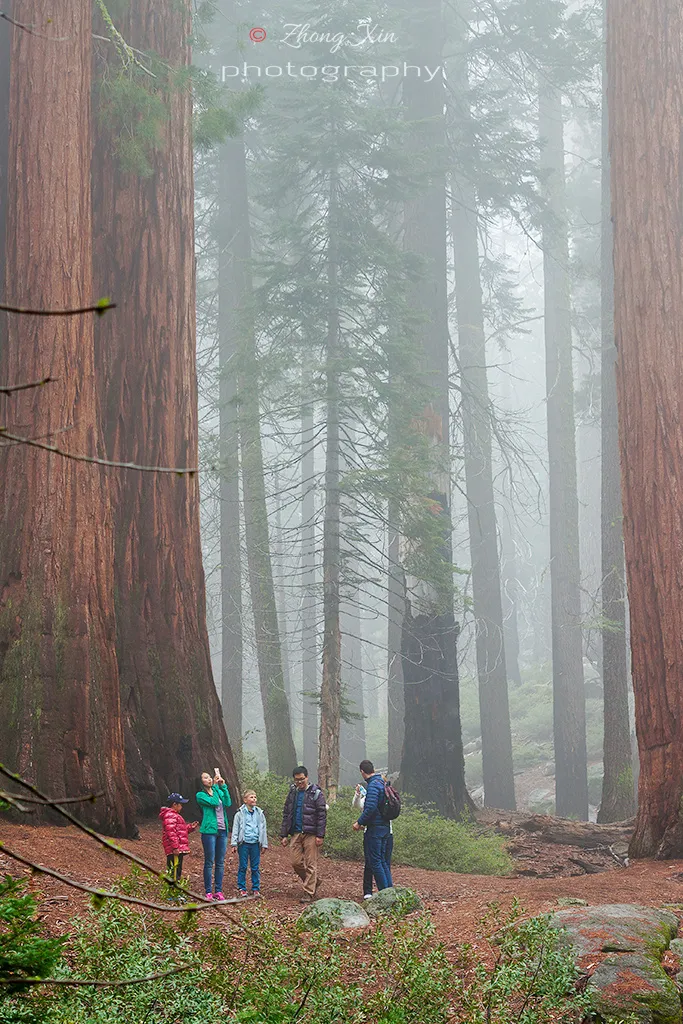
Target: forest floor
pixel 456 902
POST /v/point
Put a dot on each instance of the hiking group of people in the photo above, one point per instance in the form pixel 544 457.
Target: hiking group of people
pixel 304 821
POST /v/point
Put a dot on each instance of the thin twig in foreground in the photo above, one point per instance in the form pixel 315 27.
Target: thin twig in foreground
pixel 99 307
pixel 31 31
pixel 81 982
pixel 9 389
pixel 89 798
pixel 209 904
pixel 92 459
pixel 106 895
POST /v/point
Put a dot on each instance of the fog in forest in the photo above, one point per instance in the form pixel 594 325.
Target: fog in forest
pixel 324 463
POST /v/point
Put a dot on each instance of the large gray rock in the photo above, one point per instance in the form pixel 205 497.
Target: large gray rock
pixel 617 927
pixel 633 985
pixel 334 914
pixel 398 900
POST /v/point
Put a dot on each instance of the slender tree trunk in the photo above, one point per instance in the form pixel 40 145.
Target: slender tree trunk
pixel 230 275
pixel 59 687
pixel 433 759
pixel 279 741
pixel 395 615
pixel 569 708
pixel 496 736
pixel 331 690
pixel 510 590
pixel 281 594
pixel 146 376
pixel 352 732
pixel 5 52
pixel 645 90
pixel 309 660
pixel 617 802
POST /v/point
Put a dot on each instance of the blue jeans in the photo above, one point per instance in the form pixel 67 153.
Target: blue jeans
pixel 375 844
pixel 249 853
pixel 215 847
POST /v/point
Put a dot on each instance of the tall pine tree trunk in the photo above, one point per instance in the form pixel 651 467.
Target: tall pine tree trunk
pixel 331 689
pixel 146 376
pixel 617 802
pixel 395 614
pixel 279 742
pixel 59 687
pixel 569 706
pixel 230 274
pixel 496 736
pixel 352 731
pixel 281 593
pixel 309 659
pixel 645 100
pixel 433 759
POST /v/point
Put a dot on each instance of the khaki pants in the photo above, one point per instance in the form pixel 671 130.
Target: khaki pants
pixel 303 852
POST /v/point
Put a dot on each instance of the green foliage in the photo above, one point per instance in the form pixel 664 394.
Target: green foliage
pixel 25 952
pixel 532 980
pixel 422 838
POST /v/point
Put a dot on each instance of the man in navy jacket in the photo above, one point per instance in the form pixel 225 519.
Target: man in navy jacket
pixel 377 829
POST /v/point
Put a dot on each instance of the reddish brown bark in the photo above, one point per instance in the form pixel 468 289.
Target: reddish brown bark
pixel 147 385
pixel 645 99
pixel 59 699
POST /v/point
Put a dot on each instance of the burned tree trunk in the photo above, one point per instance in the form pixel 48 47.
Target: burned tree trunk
pixel 145 359
pixel 569 706
pixel 433 758
pixel 59 694
pixel 617 800
pixel 645 100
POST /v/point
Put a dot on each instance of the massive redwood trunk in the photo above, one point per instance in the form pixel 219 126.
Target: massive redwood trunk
pixel 59 696
pixel 147 386
pixel 645 100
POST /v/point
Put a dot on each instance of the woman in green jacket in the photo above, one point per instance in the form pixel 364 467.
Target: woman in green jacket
pixel 214 800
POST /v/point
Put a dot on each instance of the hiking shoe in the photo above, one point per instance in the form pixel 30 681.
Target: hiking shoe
pixel 243 892
pixel 307 899
pixel 219 897
pixel 367 896
pixel 255 892
pixel 209 896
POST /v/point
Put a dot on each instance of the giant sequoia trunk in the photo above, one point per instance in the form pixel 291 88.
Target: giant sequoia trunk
pixel 59 695
pixel 229 275
pixel 645 99
pixel 617 787
pixel 147 386
pixel 569 706
pixel 496 736
pixel 331 689
pixel 433 760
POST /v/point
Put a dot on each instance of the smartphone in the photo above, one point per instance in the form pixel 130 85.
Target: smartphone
pixel 217 772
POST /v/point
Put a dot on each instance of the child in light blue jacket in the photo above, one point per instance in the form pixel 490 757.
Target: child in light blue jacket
pixel 249 840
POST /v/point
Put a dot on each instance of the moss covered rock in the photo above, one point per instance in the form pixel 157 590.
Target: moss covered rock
pixel 634 985
pixel 397 900
pixel 617 927
pixel 333 914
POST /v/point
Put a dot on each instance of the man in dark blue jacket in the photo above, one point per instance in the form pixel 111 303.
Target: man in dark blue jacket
pixel 304 819
pixel 377 829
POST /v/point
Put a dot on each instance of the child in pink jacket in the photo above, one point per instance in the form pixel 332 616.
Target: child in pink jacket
pixel 175 834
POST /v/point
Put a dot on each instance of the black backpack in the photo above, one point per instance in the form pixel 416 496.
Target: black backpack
pixel 392 803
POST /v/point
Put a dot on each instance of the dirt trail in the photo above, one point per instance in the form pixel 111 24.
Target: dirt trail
pixel 457 902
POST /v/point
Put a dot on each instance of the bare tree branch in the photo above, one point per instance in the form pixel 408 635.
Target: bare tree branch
pixel 100 308
pixel 9 389
pixel 31 31
pixel 92 459
pixel 90 797
pixel 107 895
pixel 107 843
